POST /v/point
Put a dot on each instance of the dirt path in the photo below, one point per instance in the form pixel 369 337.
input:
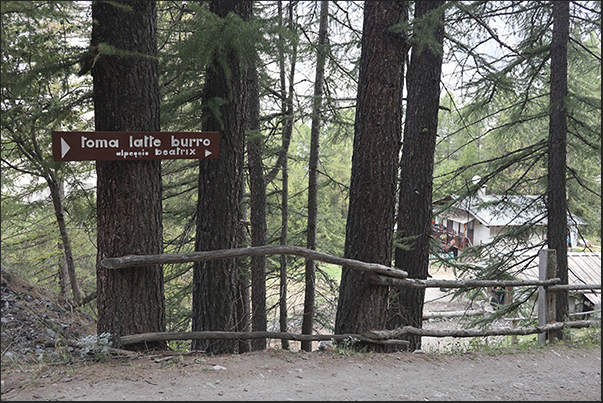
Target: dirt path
pixel 556 372
pixel 552 373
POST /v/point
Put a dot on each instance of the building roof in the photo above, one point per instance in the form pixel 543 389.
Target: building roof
pixel 511 210
pixel 583 268
pixel 502 210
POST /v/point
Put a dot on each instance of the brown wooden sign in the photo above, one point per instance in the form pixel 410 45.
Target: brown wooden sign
pixel 133 146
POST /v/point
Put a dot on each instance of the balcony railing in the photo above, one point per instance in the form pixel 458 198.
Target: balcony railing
pixel 446 237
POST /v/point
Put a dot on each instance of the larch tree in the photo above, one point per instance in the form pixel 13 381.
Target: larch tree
pixel 310 273
pixel 257 202
pixel 129 211
pixel 287 131
pixel 219 210
pixel 557 231
pixel 377 135
pixel 413 235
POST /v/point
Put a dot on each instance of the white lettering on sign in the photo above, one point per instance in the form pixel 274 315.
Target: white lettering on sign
pixel 146 141
pixel 190 142
pixel 99 143
pixel 176 152
pixel 134 154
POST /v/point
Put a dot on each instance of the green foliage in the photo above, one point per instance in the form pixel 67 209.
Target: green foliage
pixel 346 346
pixel 497 345
pixel 589 336
pixel 508 109
pixel 40 93
pixel 196 39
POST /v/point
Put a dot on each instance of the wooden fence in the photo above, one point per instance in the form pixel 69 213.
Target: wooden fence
pixel 380 275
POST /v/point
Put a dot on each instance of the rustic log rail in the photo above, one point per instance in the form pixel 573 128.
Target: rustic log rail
pixel 429 283
pixel 379 275
pixel 454 314
pixel 222 335
pixel 574 287
pixel 374 336
pixel 521 331
pixel 148 260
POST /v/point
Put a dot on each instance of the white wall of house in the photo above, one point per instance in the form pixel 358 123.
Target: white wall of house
pixel 481 233
pixel 573 235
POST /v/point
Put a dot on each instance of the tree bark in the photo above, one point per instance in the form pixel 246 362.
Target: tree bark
pixel 219 212
pixel 126 98
pixel 310 273
pixel 416 167
pixel 370 223
pixel 557 233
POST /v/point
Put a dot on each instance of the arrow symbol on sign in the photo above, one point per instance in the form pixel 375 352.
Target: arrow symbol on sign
pixel 207 152
pixel 64 147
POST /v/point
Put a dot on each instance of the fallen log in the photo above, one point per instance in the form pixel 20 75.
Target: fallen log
pixel 148 260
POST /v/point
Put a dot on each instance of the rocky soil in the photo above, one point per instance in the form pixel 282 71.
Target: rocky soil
pixel 34 320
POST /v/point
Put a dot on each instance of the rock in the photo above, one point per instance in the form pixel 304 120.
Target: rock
pixel 326 346
pixel 418 352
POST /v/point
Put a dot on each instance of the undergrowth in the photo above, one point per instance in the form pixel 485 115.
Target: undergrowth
pixel 588 337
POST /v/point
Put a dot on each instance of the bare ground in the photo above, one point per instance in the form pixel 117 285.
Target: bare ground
pixel 31 370
pixel 551 374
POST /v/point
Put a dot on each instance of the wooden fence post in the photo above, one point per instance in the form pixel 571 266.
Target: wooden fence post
pixel 547 269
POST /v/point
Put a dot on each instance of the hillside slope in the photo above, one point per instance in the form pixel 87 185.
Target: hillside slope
pixel 34 320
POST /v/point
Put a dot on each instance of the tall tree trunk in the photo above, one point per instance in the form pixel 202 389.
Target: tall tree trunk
pixel 62 272
pixel 126 98
pixel 243 304
pixel 56 193
pixel 219 211
pixel 310 274
pixel 370 222
pixel 287 101
pixel 557 233
pixel 287 111
pixel 258 210
pixel 282 296
pixel 416 167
